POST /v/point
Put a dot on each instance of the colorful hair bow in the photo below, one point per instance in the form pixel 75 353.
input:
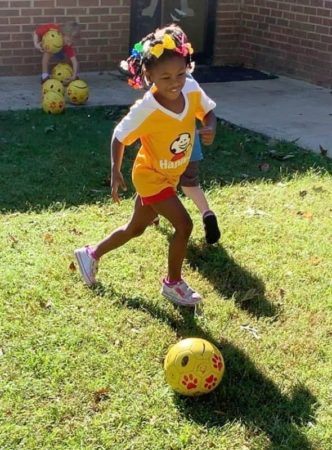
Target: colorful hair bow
pixel 185 48
pixel 137 49
pixel 135 83
pixel 167 43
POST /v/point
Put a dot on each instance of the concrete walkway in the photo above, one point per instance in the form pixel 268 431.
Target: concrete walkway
pixel 282 108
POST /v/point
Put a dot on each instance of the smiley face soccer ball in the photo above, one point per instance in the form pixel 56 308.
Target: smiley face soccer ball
pixel 62 71
pixel 52 41
pixel 194 367
pixel 53 85
pixel 53 102
pixel 78 92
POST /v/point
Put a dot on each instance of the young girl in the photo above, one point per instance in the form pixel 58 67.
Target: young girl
pixel 164 121
pixel 189 180
pixel 70 32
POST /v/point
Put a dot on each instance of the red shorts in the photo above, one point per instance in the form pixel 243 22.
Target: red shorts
pixel 162 195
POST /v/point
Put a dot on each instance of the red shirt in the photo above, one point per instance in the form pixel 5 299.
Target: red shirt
pixel 68 50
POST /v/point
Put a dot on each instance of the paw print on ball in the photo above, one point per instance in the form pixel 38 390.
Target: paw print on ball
pixel 189 381
pixel 210 382
pixel 216 361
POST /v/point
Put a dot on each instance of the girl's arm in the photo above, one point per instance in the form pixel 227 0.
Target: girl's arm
pixel 117 150
pixel 74 62
pixel 37 42
pixel 208 130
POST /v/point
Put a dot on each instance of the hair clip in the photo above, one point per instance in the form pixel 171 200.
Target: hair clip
pixel 167 43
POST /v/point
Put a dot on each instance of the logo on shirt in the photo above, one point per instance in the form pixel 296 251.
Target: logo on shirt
pixel 180 146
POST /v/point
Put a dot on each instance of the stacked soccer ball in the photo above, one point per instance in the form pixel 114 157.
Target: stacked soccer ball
pixel 53 91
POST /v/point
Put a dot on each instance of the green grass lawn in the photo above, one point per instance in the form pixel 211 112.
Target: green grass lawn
pixel 83 368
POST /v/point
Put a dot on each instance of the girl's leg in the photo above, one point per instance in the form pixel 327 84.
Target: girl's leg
pixel 196 194
pixel 141 218
pixel 87 257
pixel 45 65
pixel 174 288
pixel 174 211
pixel 189 182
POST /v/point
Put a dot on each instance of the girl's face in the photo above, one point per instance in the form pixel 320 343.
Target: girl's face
pixel 67 39
pixel 169 77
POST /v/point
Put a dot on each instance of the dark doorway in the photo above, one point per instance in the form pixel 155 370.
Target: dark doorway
pixel 195 17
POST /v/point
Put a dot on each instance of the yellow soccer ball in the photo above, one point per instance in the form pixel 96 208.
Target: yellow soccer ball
pixel 53 85
pixel 194 367
pixel 53 102
pixel 52 41
pixel 62 71
pixel 78 92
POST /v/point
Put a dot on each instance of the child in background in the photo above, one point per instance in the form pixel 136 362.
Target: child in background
pixel 70 32
pixel 189 182
pixel 164 122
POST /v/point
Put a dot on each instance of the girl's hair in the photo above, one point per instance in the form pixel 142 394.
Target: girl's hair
pixel 72 28
pixel 153 48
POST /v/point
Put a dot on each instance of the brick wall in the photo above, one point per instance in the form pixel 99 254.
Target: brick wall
pixel 227 48
pixel 289 37
pixel 103 42
pixel 282 36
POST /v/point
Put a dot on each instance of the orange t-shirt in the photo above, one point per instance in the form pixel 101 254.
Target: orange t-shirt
pixel 166 138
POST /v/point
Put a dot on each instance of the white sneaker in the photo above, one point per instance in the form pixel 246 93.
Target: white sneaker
pixel 180 293
pixel 88 266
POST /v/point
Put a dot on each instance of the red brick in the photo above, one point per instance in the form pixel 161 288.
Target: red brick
pixel 22 36
pixel 99 11
pixel 327 39
pixel 11 44
pixel 119 10
pixel 42 19
pixel 98 26
pixel 322 30
pixel 316 3
pixel 309 10
pixel 10 29
pixel 19 20
pixel 20 4
pixel 323 12
pixel 88 2
pixel 301 17
pixel 9 12
pixel 12 60
pixel 44 3
pixel 91 19
pixel 27 12
pixel 54 12
pixel 21 52
pixel 64 3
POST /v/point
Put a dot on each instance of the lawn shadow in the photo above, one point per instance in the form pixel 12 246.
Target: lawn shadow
pixel 229 279
pixel 245 394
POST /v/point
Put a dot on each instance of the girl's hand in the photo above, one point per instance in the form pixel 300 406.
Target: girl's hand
pixel 117 182
pixel 38 46
pixel 68 80
pixel 207 134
